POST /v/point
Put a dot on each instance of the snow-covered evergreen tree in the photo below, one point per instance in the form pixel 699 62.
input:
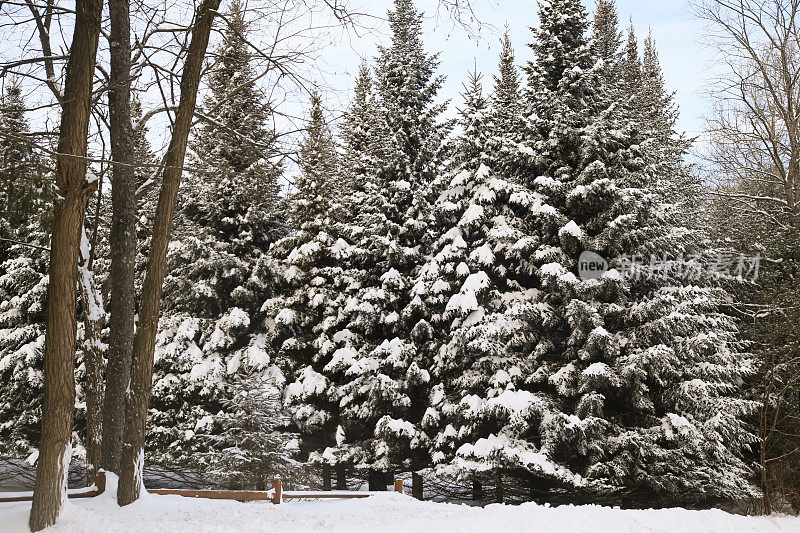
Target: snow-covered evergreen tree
pixel 654 111
pixel 235 151
pixel 356 133
pixel 388 391
pixel 229 212
pixel 23 304
pixel 253 449
pixel 505 113
pixel 313 285
pixel 643 369
pixel 631 64
pixel 479 288
pixel 660 110
pixel 362 364
pixel 317 185
pixel 22 178
pixel 25 212
pixel 607 38
pixel 470 146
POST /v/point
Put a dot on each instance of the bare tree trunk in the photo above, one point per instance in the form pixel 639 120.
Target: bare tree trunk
pixel 94 318
pixel 68 215
pixel 416 485
pixel 122 273
pixel 499 490
pixel 477 489
pixel 138 399
pixel 326 476
pixel 376 480
pixel 341 476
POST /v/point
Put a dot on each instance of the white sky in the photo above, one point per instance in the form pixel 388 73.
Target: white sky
pixel 685 60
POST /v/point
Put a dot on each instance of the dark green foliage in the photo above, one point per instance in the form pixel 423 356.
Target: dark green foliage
pixel 318 185
pixel 25 212
pixel 229 212
pixel 253 448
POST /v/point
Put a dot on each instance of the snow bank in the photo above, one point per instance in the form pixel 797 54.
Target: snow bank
pixel 384 512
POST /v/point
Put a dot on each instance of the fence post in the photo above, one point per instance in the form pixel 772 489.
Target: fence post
pixel 278 496
pixel 398 485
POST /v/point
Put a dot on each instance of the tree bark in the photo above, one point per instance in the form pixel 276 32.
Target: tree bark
pixel 376 480
pixel 68 216
pixel 416 485
pixel 138 397
pixel 477 489
pixel 341 476
pixel 499 491
pixel 122 274
pixel 94 318
pixel 326 476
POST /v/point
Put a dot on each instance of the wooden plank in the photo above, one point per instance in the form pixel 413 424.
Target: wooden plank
pixel 99 483
pixel 316 495
pixel 10 499
pixel 242 495
pixel 100 487
pixel 276 495
pixel 253 495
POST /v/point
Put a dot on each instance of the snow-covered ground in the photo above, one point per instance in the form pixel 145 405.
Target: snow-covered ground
pixel 384 512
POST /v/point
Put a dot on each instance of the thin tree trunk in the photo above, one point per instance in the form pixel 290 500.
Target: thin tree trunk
pixel 499 491
pixel 68 215
pixel 538 488
pixel 138 399
pixel 477 489
pixel 376 480
pixel 122 239
pixel 341 476
pixel 94 317
pixel 326 476
pixel 763 441
pixel 416 485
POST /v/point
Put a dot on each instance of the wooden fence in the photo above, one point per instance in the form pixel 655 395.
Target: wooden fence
pixel 99 488
pixel 275 495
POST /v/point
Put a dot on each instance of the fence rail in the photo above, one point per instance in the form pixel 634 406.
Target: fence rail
pixel 275 495
pixel 99 488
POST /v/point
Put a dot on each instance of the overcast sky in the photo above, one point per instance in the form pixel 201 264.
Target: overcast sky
pixel 685 60
pixel 677 31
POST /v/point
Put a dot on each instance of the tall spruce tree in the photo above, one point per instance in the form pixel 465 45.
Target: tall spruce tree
pixel 631 63
pixel 313 285
pixel 505 113
pixel 317 184
pixel 643 369
pixel 356 133
pixel 607 38
pixel 23 186
pixel 479 285
pixel 363 365
pixel 25 213
pixel 654 111
pixel 389 390
pixel 218 270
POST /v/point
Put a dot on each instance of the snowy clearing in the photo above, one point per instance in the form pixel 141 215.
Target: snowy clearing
pixel 384 512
